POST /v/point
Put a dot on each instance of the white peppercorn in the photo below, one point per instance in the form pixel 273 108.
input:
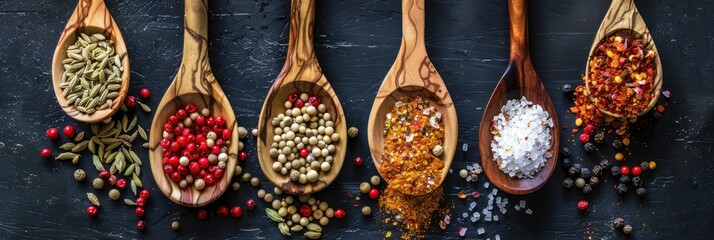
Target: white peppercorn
pixel 199 184
pixel 79 174
pixel 366 210
pixel 235 186
pixel 98 183
pixel 114 194
pixel 375 180
pixel 324 221
pixel 261 193
pixel 268 197
pixel 246 177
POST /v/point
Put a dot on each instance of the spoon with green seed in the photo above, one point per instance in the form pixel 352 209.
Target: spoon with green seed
pixel 90 67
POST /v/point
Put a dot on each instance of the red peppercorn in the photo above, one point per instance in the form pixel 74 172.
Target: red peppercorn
pixel 313 101
pixel 373 193
pixel 176 176
pixel 339 213
pixel 584 138
pixel 139 211
pixel 210 121
pixel 304 152
pixel 236 211
pixel 112 180
pixel 140 225
pixel 140 201
pixel 220 121
pixel 216 149
pixel 250 204
pixel 203 163
pixel 210 179
pixel 305 210
pixel 46 153
pixel 222 211
pixel 92 211
pixel 181 114
pixel 168 169
pixel 68 131
pixel 624 170
pixel 173 120
pixel 145 194
pixel 358 161
pixel 583 205
pixel 636 170
pixel 589 129
pixel 202 214
pixel 218 174
pixel 242 155
pixel 121 183
pixel 130 101
pixel 299 103
pixel 145 93
pixel 104 174
pixel 293 97
pixel 52 133
pixel 191 108
pixel 200 120
pixel 194 167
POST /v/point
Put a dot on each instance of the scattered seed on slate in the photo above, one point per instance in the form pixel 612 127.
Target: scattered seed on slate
pixel 566 163
pixel 618 223
pixel 594 181
pixel 621 188
pixel 587 189
pixel 605 164
pixel 637 181
pixel 580 182
pixel 599 137
pixel 597 170
pixel 589 147
pixel 585 173
pixel 567 89
pixel 568 183
pixel 641 192
pixel 645 166
pixel 572 171
pixel 625 179
pixel 565 152
pixel 627 229
pixel 617 144
pixel 615 171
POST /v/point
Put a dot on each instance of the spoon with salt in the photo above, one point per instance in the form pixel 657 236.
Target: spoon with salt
pixel 90 17
pixel 520 79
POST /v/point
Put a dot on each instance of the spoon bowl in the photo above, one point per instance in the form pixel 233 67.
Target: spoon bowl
pixel 520 79
pixel 300 74
pixel 194 83
pixel 412 74
pixel 89 17
pixel 623 16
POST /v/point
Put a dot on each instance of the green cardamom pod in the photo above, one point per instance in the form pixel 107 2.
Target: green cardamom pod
pixel 273 215
pixel 67 146
pixel 314 227
pixel 80 146
pixel 79 137
pixel 97 163
pixel 312 235
pixel 66 156
pixel 296 228
pixel 93 198
pixel 75 160
pixel 283 227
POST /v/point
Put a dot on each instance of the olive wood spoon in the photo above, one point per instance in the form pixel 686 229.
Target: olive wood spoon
pixel 412 74
pixel 519 80
pixel 301 73
pixel 194 83
pixel 624 16
pixel 90 16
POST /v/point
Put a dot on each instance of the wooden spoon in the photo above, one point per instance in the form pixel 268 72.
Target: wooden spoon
pixel 412 74
pixel 519 80
pixel 90 16
pixel 194 83
pixel 624 16
pixel 300 74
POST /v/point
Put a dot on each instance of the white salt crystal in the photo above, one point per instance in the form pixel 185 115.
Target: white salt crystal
pixel 488 218
pixel 529 211
pixel 486 184
pixel 465 147
pixel 494 191
pixel 465 215
pixel 474 219
pixel 522 204
pixel 476 214
pixel 503 211
pixel 472 206
pixel 498 200
pixel 484 211
pixel 518 208
pixel 497 237
pixel 495 218
pixel 481 231
pixel 490 207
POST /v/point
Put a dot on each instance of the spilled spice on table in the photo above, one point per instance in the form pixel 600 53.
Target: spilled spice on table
pixel 413 215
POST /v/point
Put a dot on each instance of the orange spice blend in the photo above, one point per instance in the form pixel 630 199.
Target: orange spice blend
pixel 412 214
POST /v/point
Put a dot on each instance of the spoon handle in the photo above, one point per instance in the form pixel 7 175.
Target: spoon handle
pixel 413 26
pixel 301 62
pixel 518 15
pixel 195 71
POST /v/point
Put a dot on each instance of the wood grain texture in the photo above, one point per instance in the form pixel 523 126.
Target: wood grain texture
pixel 194 83
pixel 300 74
pixel 520 79
pixel 412 74
pixel 623 15
pixel 90 16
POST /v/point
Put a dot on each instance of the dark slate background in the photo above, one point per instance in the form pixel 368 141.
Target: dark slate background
pixel 356 42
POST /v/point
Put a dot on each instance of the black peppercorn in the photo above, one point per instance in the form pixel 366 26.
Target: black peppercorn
pixel 572 171
pixel 641 192
pixel 587 189
pixel 637 181
pixel 568 183
pixel 644 165
pixel 597 170
pixel 621 188
pixel 618 223
pixel 565 152
pixel 615 171
pixel 605 164
pixel 617 144
pixel 567 89
pixel 594 181
pixel 599 137
pixel 624 179
pixel 566 163
pixel 589 147
pixel 585 173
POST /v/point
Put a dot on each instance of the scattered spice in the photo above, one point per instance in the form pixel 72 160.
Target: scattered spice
pixel 352 132
pixel 413 214
pixel 411 130
pixel 175 225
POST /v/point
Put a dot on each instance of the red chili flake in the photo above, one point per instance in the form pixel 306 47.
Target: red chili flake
pixel 349 195
pixel 462 231
pixel 475 194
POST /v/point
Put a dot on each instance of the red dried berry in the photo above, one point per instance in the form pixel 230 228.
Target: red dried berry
pixel 104 174
pixel 52 133
pixel 140 225
pixel 226 134
pixel 121 183
pixel 299 103
pixel 130 101
pixel 222 211
pixel 145 93
pixel 46 153
pixel 92 211
pixel 140 201
pixel 293 97
pixel 304 152
pixel 236 211
pixel 191 108
pixel 305 210
pixel 313 101
pixel 112 180
pixel 181 114
pixel 220 121
pixel 68 131
pixel 250 204
pixel 373 193
pixel 589 129
pixel 359 161
pixel 210 179
pixel 636 170
pixel 202 214
pixel 139 211
pixel 584 138
pixel 583 205
pixel 144 194
pixel 339 213
pixel 168 169
pixel 624 170
pixel 242 155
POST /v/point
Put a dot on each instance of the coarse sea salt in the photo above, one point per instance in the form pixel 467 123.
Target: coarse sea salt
pixel 521 138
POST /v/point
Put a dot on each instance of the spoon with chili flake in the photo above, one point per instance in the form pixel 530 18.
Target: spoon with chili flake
pixel 194 83
pixel 519 80
pixel 412 74
pixel 90 16
pixel 300 74
pixel 622 15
